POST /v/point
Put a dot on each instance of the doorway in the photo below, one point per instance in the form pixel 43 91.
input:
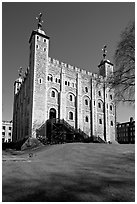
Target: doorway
pixel 52 113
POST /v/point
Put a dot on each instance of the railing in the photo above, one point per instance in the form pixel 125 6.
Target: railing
pixel 70 129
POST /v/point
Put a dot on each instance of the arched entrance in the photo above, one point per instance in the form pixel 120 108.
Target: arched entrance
pixel 52 113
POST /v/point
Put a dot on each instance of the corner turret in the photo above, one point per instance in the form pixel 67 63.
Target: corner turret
pixel 105 66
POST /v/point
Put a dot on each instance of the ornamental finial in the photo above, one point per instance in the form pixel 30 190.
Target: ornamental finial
pixel 39 21
pixel 104 51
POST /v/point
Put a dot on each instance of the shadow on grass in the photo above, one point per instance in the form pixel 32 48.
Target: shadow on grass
pixel 64 188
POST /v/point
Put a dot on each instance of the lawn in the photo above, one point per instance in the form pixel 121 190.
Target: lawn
pixel 71 173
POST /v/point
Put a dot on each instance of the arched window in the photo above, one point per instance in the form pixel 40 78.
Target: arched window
pixel 86 119
pixel 99 93
pixel 111 123
pixel 86 102
pixel 70 97
pixel 99 105
pixel 100 121
pixel 111 107
pixel 111 96
pixel 53 94
pixel 70 115
pixel 86 89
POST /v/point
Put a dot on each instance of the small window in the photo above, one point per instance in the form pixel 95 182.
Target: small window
pixel 3 127
pixel 53 94
pixel 86 119
pixel 94 103
pixel 65 82
pixel 70 115
pixel 107 105
pixel 111 96
pixel 9 133
pixel 111 123
pixel 40 81
pixel 3 133
pixel 3 140
pixel 68 83
pixel 111 107
pixel 99 105
pixel 56 80
pixel 37 46
pixel 99 93
pixel 100 121
pixel 86 89
pixel 70 98
pixel 9 128
pixel 72 84
pixel 37 37
pixel 50 78
pixel 86 102
pixel 44 49
pixel 44 40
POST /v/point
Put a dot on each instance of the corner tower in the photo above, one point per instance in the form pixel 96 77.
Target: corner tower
pixel 38 63
pixel 105 66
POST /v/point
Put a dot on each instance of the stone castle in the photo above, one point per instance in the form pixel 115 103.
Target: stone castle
pixel 53 89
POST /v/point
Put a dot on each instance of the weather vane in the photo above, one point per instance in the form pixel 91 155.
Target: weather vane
pixel 104 51
pixel 39 21
pixel 20 71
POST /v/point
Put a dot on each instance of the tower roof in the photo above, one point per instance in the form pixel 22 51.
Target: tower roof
pixel 39 30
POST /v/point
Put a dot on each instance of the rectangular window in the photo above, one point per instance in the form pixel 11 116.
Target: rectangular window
pixel 9 133
pixel 65 82
pixel 3 133
pixel 9 128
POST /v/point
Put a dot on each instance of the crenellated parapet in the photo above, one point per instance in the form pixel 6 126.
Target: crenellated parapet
pixel 55 62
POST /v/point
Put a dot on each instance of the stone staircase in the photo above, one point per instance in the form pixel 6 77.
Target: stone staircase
pixel 56 131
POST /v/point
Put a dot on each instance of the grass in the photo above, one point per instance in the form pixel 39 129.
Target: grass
pixel 70 172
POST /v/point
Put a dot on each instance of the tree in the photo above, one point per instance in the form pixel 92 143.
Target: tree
pixel 123 79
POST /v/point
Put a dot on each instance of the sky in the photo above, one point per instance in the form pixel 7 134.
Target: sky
pixel 77 30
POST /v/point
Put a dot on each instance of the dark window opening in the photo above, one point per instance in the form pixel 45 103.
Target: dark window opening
pixel 65 82
pixel 53 94
pixel 86 89
pixel 111 123
pixel 99 93
pixel 86 119
pixel 100 121
pixel 70 115
pixel 99 105
pixel 70 97
pixel 86 102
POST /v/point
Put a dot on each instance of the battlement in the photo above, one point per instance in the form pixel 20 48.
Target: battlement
pixel 70 67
